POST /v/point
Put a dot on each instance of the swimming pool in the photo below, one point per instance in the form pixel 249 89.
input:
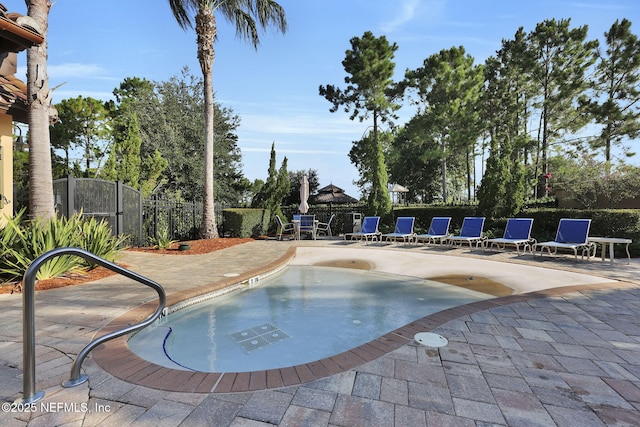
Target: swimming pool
pixel 297 316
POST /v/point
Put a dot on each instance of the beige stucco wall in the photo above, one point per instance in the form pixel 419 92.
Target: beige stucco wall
pixel 6 167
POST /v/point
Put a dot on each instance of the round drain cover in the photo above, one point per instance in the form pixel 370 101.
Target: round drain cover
pixel 429 339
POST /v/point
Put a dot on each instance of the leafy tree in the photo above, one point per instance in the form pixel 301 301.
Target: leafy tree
pixel 413 162
pixel 275 189
pixel 562 58
pixel 85 124
pixel 171 122
pixel 251 190
pixel 246 15
pixel 593 183
pixel 614 103
pixel 41 203
pixel 293 198
pixel 369 65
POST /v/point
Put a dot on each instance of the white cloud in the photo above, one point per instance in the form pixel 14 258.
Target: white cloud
pixel 283 123
pixel 409 10
pixel 75 69
pixel 60 94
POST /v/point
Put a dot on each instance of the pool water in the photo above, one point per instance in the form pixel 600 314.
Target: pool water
pixel 300 315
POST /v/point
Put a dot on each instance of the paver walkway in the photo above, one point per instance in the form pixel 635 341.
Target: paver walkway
pixel 568 359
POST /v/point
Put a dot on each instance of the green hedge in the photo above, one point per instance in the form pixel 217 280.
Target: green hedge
pixel 240 222
pixel 604 222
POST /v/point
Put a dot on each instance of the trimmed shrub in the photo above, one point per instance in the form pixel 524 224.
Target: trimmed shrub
pixel 246 222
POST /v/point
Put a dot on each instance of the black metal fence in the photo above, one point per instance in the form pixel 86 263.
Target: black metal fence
pixel 124 210
pixel 144 221
pixel 117 204
pixel 177 220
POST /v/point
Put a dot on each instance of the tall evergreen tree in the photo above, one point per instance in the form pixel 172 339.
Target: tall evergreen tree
pixel 275 188
pixel 124 163
pixel 563 56
pixel 615 103
pixel 449 87
pixel 369 92
pixel 506 111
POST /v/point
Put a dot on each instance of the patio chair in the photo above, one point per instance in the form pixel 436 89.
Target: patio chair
pixel 325 227
pixel 572 234
pixel 284 227
pixel 438 230
pixel 403 230
pixel 369 230
pixel 471 232
pixel 517 233
pixel 307 225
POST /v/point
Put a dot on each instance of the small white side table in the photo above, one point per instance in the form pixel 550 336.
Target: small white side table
pixel 611 241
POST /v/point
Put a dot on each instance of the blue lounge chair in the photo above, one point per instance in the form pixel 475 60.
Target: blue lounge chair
pixel 369 230
pixel 438 230
pixel 517 233
pixel 572 234
pixel 471 232
pixel 283 227
pixel 403 230
pixel 307 225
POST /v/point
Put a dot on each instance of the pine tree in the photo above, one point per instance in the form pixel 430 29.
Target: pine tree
pixel 369 91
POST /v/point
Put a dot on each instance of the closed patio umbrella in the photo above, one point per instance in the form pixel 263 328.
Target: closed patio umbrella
pixel 304 194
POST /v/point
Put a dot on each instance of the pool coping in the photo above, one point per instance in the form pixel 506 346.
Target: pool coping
pixel 117 359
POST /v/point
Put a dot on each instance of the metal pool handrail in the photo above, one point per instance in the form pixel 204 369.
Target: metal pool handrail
pixel 28 325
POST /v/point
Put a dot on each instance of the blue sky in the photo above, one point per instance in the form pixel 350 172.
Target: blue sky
pixel 94 45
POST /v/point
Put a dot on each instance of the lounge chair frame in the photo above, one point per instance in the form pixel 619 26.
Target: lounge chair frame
pixel 572 234
pixel 438 231
pixel 403 230
pixel 369 230
pixel 518 233
pixel 471 232
pixel 284 227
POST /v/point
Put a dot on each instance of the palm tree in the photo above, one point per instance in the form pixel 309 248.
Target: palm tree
pixel 41 204
pixel 247 15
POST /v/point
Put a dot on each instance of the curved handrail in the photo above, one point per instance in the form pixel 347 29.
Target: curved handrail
pixel 28 325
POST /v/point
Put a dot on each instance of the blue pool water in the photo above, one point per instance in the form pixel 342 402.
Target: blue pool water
pixel 298 316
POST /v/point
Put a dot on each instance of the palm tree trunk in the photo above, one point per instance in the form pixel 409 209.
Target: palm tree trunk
pixel 41 203
pixel 206 31
pixel 209 229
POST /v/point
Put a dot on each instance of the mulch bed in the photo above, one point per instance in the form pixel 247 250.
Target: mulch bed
pixel 196 247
